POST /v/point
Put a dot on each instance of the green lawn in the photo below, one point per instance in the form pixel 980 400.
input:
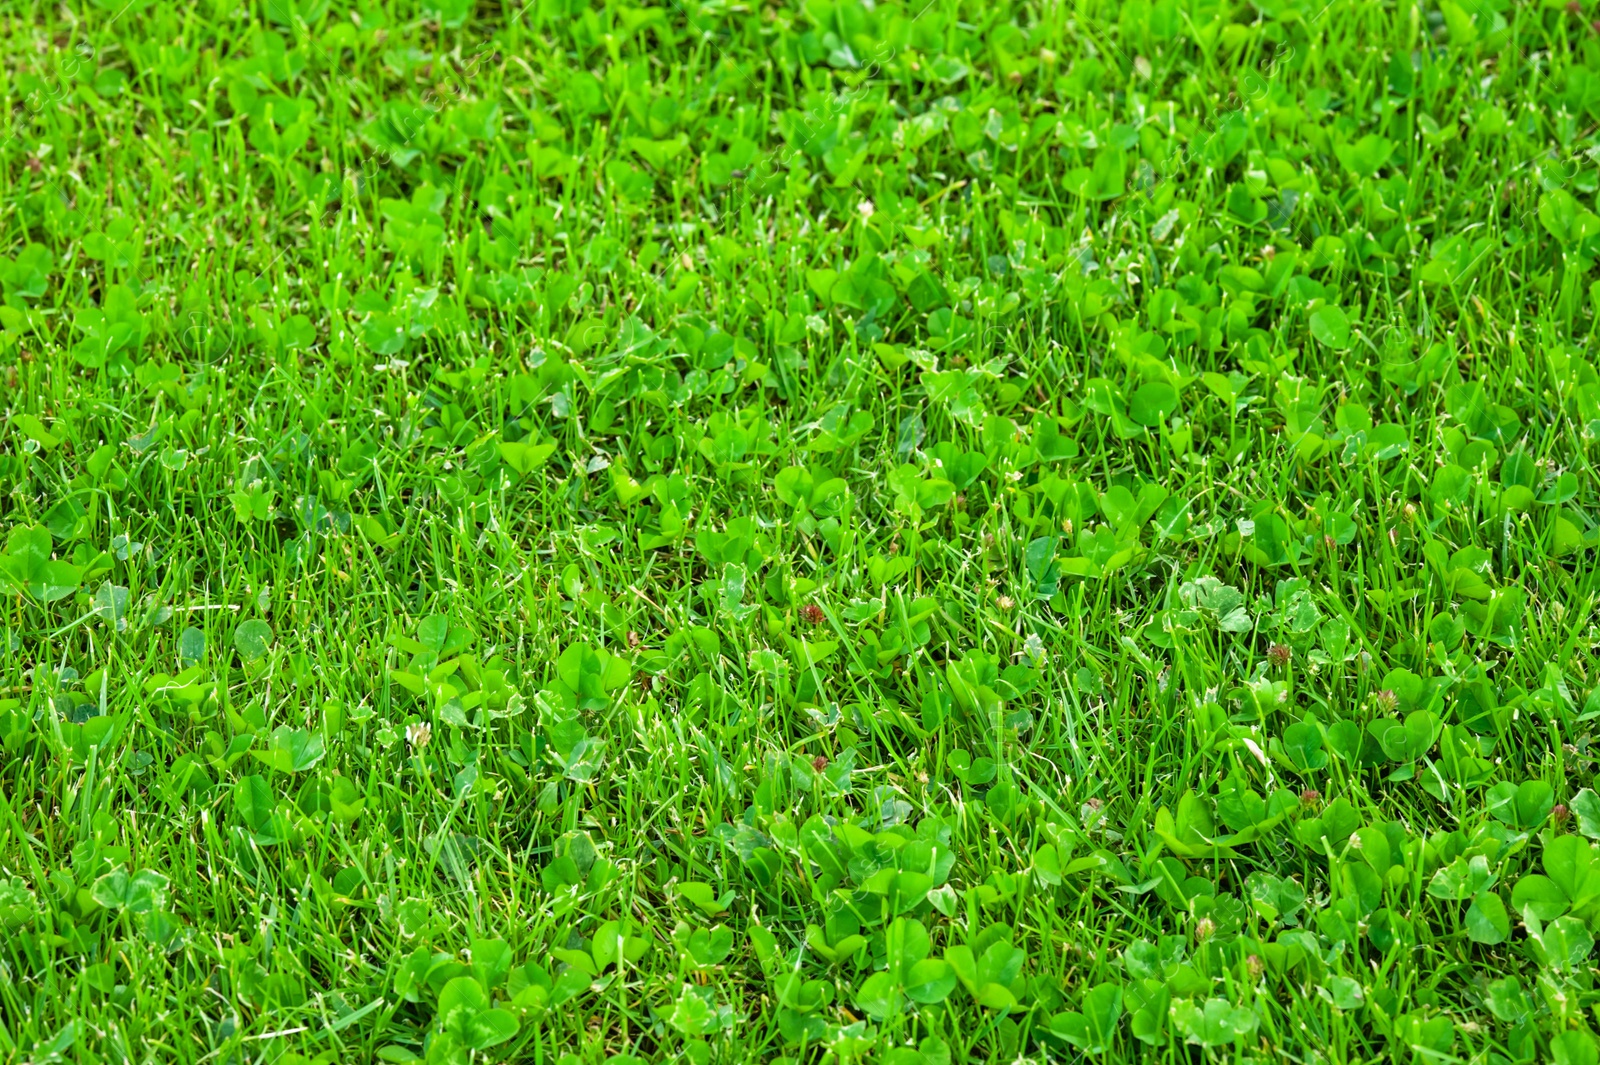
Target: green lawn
pixel 843 532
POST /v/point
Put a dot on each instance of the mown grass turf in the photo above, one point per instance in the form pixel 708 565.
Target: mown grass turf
pixel 857 531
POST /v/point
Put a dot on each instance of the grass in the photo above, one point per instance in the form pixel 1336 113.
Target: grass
pixel 865 532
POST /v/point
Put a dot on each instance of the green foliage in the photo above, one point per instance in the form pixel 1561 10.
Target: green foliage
pixel 845 532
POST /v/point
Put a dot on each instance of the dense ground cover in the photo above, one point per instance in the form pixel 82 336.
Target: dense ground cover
pixel 892 532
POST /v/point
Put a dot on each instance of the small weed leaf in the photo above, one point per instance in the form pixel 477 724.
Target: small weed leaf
pixel 524 458
pixel 589 675
pixel 292 750
pixel 1487 921
pixel 28 568
pixel 135 893
pixel 252 639
pixel 466 1018
pixel 1214 1022
pixel 698 1013
pixel 18 904
pixel 253 799
pixel 1093 1029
